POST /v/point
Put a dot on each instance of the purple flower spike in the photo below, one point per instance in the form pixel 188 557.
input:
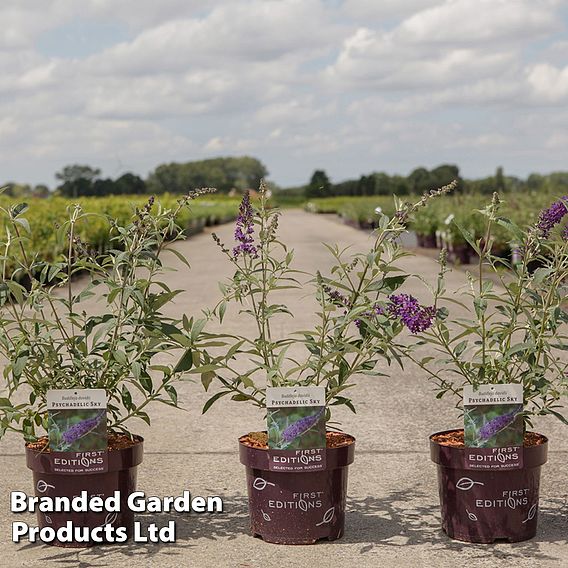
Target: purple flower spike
pixel 565 233
pixel 300 427
pixel 415 317
pixel 244 229
pixel 73 433
pixel 549 218
pixel 495 425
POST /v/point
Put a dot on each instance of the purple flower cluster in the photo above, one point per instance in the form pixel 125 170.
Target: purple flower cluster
pixel 244 229
pixel 495 425
pixel 300 427
pixel 336 297
pixel 549 218
pixel 415 317
pixel 73 433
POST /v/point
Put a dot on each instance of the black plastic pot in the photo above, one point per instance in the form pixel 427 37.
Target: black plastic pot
pixel 484 506
pixel 297 508
pixel 426 241
pixel 460 254
pixel 121 476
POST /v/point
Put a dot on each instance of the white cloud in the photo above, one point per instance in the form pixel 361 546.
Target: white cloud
pixel 474 21
pixel 383 9
pixel 375 59
pixel 351 86
pixel 549 83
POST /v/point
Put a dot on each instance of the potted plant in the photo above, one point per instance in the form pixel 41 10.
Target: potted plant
pixel 50 342
pixel 512 333
pixel 425 225
pixel 357 317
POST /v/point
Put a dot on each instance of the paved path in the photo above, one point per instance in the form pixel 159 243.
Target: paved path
pixel 392 514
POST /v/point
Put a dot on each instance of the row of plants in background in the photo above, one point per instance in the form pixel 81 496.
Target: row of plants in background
pixel 438 225
pixel 44 215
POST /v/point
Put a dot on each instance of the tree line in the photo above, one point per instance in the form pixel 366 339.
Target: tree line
pixel 245 172
pixel 79 180
pixel 422 179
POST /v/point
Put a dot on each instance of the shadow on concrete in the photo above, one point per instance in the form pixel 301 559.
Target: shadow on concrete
pixel 400 519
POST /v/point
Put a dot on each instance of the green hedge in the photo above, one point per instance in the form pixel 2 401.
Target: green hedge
pixel 442 214
pixel 44 215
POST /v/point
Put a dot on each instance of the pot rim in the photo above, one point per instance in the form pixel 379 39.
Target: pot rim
pixel 257 458
pixel 123 458
pixel 454 458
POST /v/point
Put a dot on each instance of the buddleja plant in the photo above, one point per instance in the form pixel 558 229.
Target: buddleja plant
pixel 514 329
pixel 357 318
pixel 50 342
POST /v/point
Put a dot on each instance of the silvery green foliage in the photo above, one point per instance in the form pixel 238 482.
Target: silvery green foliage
pixel 353 330
pixel 50 342
pixel 514 329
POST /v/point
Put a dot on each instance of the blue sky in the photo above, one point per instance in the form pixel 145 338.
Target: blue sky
pixel 350 86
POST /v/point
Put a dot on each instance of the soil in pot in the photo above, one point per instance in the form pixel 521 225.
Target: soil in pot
pixel 483 506
pixel 124 456
pixel 297 507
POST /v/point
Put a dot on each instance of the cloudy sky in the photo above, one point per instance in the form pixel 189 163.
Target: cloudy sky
pixel 351 86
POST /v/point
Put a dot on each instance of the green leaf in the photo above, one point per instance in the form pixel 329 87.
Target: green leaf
pixel 222 310
pixel 172 393
pixel 197 328
pixel 558 415
pixel 388 284
pixel 126 398
pixel 207 378
pixel 212 400
pixel 18 209
pixel 120 357
pixel 468 236
pixel 179 255
pixel 185 363
pixel 23 223
pixel 147 384
pixel 519 347
pixel 239 397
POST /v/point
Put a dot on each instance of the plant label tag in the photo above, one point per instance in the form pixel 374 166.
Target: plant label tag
pixel 77 428
pixel 296 425
pixel 493 426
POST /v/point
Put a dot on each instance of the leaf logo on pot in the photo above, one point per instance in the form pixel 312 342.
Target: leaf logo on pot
pixel 472 516
pixel 260 483
pixel 327 518
pixel 42 486
pixel 303 505
pixel 110 519
pixel 465 483
pixel 48 519
pixel 531 515
pixel 265 516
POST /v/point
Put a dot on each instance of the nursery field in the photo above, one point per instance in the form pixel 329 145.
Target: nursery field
pixel 438 223
pixel 392 516
pixel 45 215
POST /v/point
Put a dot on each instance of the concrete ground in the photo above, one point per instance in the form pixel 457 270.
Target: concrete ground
pixel 392 513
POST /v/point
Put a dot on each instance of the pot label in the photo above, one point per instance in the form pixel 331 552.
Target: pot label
pixel 77 431
pixel 493 426
pixel 510 457
pixel 296 425
pixel 297 460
